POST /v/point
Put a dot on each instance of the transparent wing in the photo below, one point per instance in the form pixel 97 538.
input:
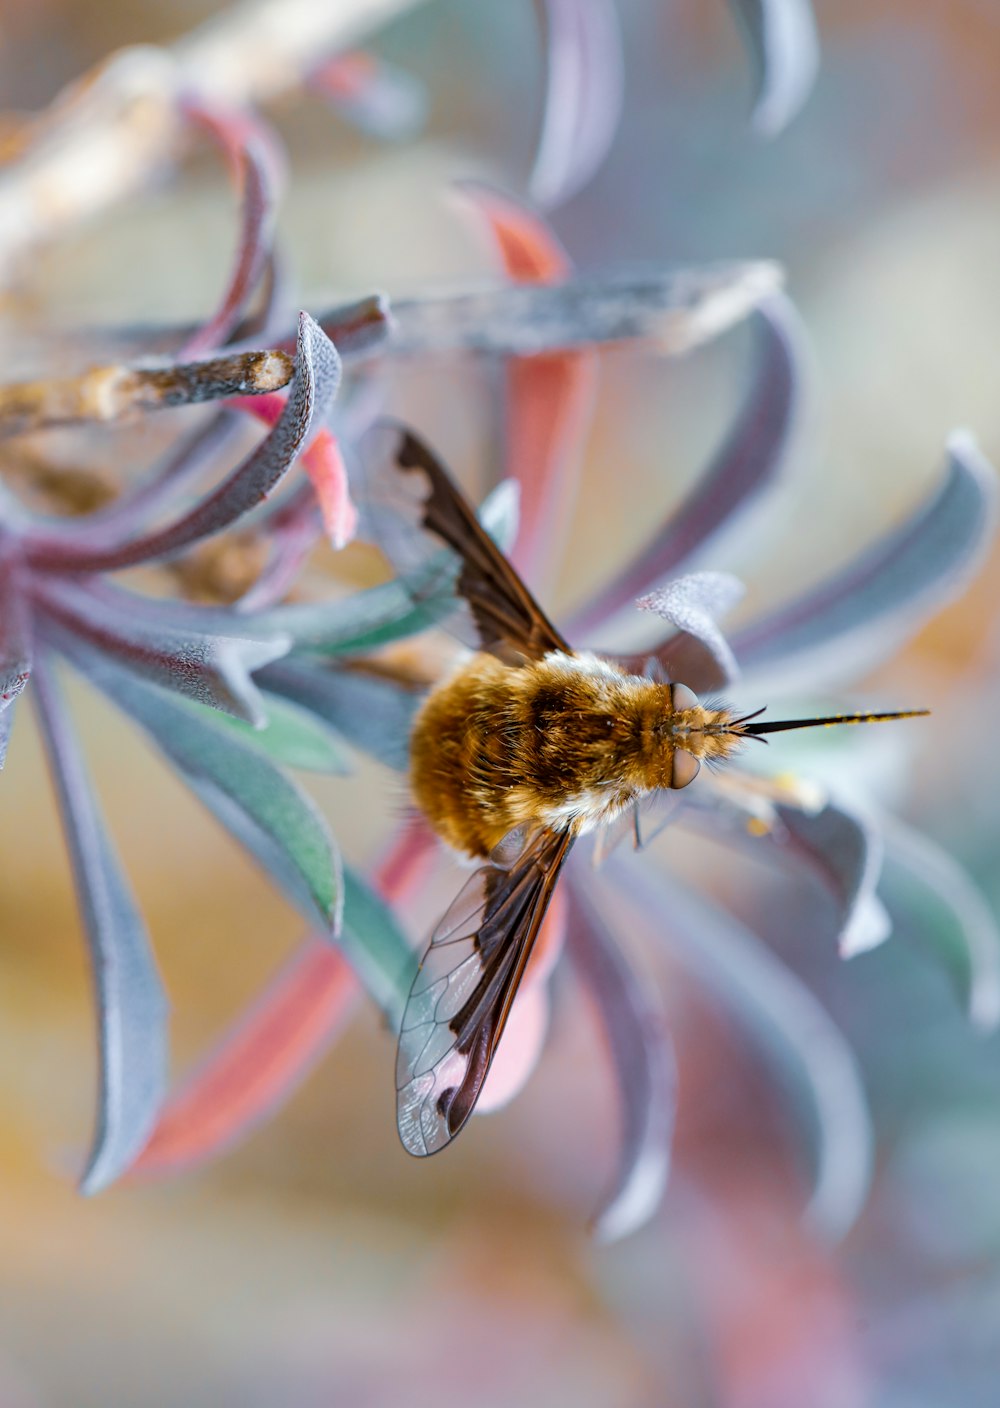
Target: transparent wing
pixel 462 994
pixel 414 507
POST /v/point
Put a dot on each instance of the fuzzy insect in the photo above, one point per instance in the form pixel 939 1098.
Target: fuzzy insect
pixel 526 746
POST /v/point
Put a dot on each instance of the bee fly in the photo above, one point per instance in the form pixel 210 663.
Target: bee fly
pixel 526 746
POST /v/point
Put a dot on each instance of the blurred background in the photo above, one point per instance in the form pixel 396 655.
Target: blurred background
pixel 317 1264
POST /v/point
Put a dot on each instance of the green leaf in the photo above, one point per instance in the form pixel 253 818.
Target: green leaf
pixel 291 735
pixel 376 947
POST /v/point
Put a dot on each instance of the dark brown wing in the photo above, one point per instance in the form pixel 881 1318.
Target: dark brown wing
pixel 507 618
pixel 462 994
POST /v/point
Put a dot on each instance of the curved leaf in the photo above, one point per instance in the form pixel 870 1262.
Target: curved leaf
pixel 691 605
pixel 853 619
pixel 583 96
pixel 751 458
pixel 783 1014
pixel 781 37
pixel 950 913
pixel 132 1008
pixel 642 1057
pixel 255 158
pixel 289 735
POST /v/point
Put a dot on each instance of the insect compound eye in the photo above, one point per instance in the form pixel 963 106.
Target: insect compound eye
pixel 686 768
pixel 683 698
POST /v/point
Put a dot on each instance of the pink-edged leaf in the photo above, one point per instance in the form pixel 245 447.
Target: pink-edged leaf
pixel 212 669
pixel 855 618
pixel 691 605
pixel 15 631
pixel 271 1048
pixel 635 1035
pixel 317 374
pixel 549 399
pixel 259 1061
pixel 780 1011
pixel 324 464
pixel 375 96
pixel 132 1008
pixel 750 460
pixel 583 96
pixel 781 38
pixel 949 913
pixel 256 162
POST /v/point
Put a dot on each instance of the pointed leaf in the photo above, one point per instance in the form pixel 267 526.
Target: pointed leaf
pixel 317 374
pixel 781 38
pixel 141 635
pixel 845 852
pixel 635 1034
pixel 583 96
pixel 852 620
pixel 132 1008
pixel 691 605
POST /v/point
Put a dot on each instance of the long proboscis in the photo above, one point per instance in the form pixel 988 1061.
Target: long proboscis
pixel 781 725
